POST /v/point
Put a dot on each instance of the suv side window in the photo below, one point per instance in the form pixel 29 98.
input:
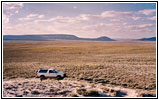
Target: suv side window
pixel 43 71
pixel 51 71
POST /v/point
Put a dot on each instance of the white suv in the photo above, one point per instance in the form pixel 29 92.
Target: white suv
pixel 50 73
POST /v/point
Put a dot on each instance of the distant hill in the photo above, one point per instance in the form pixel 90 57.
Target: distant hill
pixel 52 37
pixel 148 39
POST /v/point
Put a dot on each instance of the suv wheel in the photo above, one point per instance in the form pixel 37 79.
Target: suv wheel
pixel 42 77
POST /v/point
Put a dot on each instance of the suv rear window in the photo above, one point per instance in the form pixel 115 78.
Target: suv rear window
pixel 43 71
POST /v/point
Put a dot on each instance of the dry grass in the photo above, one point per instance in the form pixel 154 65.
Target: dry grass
pixel 147 95
pixel 129 64
pixel 73 95
pixel 82 91
pixel 36 92
pixel 92 93
pixel 106 89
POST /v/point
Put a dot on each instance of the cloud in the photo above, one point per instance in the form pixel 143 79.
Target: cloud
pixel 10 9
pixel 147 11
pixel 26 18
pixel 152 18
pixel 145 25
pixel 74 7
pixel 5 18
pixel 136 18
pixel 41 16
pixel 12 6
pixel 141 26
pixel 112 14
pixel 31 17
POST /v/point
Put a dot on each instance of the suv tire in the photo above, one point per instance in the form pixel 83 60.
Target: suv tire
pixel 42 77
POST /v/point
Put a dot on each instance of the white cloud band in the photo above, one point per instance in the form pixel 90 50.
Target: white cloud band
pixel 10 9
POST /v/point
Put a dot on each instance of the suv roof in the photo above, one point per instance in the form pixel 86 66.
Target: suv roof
pixel 47 69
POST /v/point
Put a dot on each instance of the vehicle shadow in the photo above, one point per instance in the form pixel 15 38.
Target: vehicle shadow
pixel 54 78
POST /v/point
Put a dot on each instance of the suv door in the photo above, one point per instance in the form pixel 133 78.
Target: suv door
pixel 52 73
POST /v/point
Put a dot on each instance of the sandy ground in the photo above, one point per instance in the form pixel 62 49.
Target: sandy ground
pixel 33 87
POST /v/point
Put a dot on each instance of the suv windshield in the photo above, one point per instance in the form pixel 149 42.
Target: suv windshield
pixel 43 71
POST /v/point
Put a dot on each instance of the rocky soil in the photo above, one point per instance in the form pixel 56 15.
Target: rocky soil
pixel 33 87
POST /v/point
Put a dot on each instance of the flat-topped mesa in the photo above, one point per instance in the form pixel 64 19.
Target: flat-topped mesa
pixel 148 39
pixel 49 37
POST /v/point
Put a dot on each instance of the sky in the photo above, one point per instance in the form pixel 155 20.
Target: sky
pixel 86 20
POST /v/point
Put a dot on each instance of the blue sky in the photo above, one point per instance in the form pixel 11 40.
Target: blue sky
pixel 115 20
